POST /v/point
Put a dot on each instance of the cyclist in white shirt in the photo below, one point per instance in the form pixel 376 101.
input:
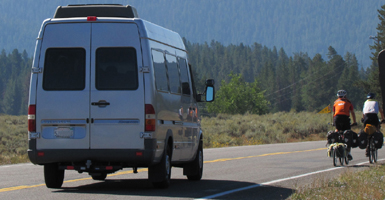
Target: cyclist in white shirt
pixel 370 111
pixel 370 114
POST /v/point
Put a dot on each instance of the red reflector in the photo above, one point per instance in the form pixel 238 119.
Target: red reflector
pixel 150 127
pixel 150 109
pixel 139 153
pixel 91 18
pixel 31 125
pixel 31 109
pixel 109 168
pixel 70 167
pixel 150 118
pixel 40 153
pixel 32 118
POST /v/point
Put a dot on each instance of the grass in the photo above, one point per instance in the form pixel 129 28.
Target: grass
pixel 238 130
pixel 220 131
pixel 13 139
pixel 367 184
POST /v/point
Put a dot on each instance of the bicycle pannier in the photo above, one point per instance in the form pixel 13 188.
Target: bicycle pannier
pixel 370 129
pixel 332 137
pixel 378 140
pixel 348 138
pixel 355 141
pixel 351 138
pixel 363 140
pixel 340 151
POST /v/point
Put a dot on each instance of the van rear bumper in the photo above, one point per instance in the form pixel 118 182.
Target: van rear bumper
pixel 127 157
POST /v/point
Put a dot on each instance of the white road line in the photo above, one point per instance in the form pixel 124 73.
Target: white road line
pixel 15 165
pixel 274 181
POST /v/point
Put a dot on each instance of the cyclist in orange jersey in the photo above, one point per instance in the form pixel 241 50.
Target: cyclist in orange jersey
pixel 342 109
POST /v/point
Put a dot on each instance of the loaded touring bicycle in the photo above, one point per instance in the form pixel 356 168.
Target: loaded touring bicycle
pixel 110 91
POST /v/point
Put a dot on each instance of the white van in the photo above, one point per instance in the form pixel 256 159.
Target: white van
pixel 109 91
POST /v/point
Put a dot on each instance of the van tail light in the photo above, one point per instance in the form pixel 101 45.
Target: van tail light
pixel 150 118
pixel 32 118
pixel 91 18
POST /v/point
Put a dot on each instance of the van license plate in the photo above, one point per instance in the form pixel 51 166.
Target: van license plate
pixel 64 132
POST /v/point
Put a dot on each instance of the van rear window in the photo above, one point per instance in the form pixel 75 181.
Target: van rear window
pixel 64 69
pixel 116 69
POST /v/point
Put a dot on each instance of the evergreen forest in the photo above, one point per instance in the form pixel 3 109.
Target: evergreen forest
pixel 281 82
pixel 295 83
pixel 15 70
pixel 309 26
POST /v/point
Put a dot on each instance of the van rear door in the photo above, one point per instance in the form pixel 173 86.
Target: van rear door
pixel 62 100
pixel 117 91
pixel 90 94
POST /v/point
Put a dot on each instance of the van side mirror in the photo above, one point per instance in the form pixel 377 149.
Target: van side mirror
pixel 210 82
pixel 209 93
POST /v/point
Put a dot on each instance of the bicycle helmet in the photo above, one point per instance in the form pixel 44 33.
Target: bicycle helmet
pixel 371 95
pixel 341 93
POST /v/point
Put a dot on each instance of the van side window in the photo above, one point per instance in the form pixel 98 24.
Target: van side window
pixel 173 74
pixel 64 69
pixel 160 71
pixel 192 82
pixel 116 69
pixel 184 77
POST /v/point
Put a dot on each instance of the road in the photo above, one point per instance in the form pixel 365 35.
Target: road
pixel 248 172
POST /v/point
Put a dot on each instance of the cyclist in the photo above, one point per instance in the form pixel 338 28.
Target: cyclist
pixel 342 109
pixel 370 113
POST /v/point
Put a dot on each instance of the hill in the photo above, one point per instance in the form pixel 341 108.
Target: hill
pixel 309 26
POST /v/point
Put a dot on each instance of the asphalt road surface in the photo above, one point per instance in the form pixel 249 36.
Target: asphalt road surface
pixel 271 171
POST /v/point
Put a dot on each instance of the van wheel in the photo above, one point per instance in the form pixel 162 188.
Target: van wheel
pixel 53 176
pixel 196 166
pixel 100 177
pixel 164 167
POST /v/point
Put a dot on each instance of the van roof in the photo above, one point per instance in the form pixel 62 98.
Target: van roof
pixel 98 10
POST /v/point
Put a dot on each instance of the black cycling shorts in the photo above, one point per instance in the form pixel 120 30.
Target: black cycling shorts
pixel 371 118
pixel 342 122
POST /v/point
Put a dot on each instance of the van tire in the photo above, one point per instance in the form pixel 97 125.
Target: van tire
pixel 196 167
pixel 164 170
pixel 53 176
pixel 100 177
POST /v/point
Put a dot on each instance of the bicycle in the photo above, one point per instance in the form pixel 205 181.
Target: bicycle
pixel 338 148
pixel 373 153
pixel 372 150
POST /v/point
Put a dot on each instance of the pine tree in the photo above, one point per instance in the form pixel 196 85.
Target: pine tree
pixel 336 66
pixel 297 75
pixel 8 102
pixel 372 83
pixel 356 95
pixel 315 92
pixel 283 97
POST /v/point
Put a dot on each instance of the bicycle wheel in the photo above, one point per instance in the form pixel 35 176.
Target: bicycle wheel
pixel 341 156
pixel 334 157
pixel 371 150
pixel 341 161
pixel 346 157
pixel 375 154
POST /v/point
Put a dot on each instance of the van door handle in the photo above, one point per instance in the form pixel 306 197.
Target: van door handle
pixel 101 103
pixel 177 122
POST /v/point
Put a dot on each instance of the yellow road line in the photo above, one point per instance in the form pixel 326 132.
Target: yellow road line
pixel 144 170
pixel 268 154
